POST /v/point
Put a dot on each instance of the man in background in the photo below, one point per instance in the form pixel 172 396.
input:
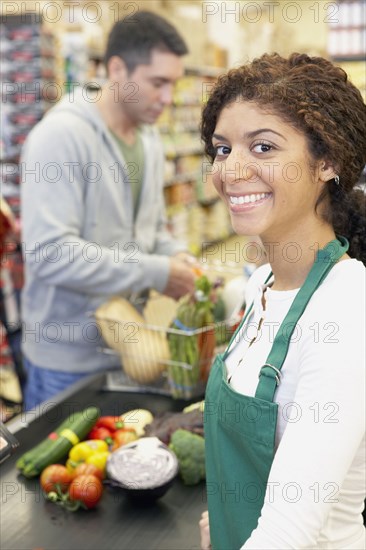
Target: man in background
pixel 93 210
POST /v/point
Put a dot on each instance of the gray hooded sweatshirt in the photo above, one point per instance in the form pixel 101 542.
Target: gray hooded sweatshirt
pixel 81 242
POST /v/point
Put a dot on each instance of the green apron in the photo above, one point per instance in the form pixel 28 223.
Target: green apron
pixel 240 430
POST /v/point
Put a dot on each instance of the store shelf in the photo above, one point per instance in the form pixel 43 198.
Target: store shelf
pixel 184 152
pixel 82 62
pixel 28 67
pixel 349 27
pixel 191 202
pixel 345 58
pixel 204 70
pixel 347 41
pixel 347 35
pixel 182 178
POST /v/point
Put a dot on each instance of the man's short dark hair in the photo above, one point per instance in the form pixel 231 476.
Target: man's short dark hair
pixel 134 37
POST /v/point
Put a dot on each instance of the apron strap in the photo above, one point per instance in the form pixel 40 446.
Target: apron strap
pixel 270 373
pixel 246 315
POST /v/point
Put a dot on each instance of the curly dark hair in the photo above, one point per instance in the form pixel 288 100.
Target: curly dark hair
pixel 316 97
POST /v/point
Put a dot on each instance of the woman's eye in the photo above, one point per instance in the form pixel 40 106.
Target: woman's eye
pixel 262 148
pixel 157 83
pixel 222 150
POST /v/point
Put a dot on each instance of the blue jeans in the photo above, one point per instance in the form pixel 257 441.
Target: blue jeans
pixel 42 384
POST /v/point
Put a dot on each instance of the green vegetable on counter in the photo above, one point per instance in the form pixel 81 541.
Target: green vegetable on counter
pixel 57 445
pixel 28 457
pixel 199 406
pixel 190 451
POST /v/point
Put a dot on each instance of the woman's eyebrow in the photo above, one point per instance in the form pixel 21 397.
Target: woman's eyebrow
pixel 251 134
pixel 262 130
pixel 218 136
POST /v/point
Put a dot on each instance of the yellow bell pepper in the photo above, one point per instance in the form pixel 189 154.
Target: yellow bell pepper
pixel 71 465
pixel 82 451
pixel 99 460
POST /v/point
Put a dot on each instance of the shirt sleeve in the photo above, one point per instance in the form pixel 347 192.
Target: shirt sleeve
pixel 325 431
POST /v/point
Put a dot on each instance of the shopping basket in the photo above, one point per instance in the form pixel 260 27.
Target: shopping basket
pixel 144 342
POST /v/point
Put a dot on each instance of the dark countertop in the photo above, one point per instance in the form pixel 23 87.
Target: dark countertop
pixel 28 521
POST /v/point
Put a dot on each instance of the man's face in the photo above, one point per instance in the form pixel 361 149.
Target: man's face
pixel 144 93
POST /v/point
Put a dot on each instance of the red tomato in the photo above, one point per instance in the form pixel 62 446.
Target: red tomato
pixel 86 489
pixel 88 469
pixel 55 477
pixel 100 433
pixel 123 436
pixel 112 423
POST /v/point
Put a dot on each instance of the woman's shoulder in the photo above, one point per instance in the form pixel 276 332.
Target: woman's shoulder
pixel 342 293
pixel 347 276
pixel 345 282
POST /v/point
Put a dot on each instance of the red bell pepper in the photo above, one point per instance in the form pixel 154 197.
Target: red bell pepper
pixel 98 432
pixel 112 423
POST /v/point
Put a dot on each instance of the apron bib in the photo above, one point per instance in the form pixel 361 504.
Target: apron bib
pixel 240 430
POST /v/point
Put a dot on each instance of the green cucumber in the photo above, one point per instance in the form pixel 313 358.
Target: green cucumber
pixel 45 445
pixel 77 427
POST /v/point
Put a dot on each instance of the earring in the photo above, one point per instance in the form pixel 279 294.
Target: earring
pixel 336 179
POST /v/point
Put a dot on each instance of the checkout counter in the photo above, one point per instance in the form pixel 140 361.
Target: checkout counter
pixel 29 521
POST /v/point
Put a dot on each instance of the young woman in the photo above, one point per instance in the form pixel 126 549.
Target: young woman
pixel 285 404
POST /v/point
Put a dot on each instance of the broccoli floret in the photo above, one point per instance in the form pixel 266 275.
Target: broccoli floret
pixel 190 451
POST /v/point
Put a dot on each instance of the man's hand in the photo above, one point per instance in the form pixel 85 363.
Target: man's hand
pixel 181 278
pixel 191 261
pixel 186 257
pixel 205 532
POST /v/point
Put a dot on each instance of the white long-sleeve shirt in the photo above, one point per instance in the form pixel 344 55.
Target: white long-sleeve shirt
pixel 316 487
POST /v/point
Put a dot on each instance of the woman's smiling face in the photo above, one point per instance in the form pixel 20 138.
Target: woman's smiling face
pixel 262 172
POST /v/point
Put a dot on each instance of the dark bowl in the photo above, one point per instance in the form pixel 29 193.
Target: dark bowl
pixel 141 497
pixel 143 470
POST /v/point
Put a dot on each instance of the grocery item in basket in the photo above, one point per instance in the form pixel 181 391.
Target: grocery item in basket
pixel 144 352
pixel 233 295
pixel 192 342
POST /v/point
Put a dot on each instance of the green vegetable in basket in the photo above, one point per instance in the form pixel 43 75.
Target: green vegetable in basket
pixel 190 451
pixel 219 309
pixel 222 331
pixel 193 342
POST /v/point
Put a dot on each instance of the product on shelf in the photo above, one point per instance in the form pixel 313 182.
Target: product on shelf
pixel 347 30
pixel 188 187
pixel 27 73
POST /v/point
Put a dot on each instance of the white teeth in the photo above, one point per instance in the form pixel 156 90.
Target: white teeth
pixel 246 199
